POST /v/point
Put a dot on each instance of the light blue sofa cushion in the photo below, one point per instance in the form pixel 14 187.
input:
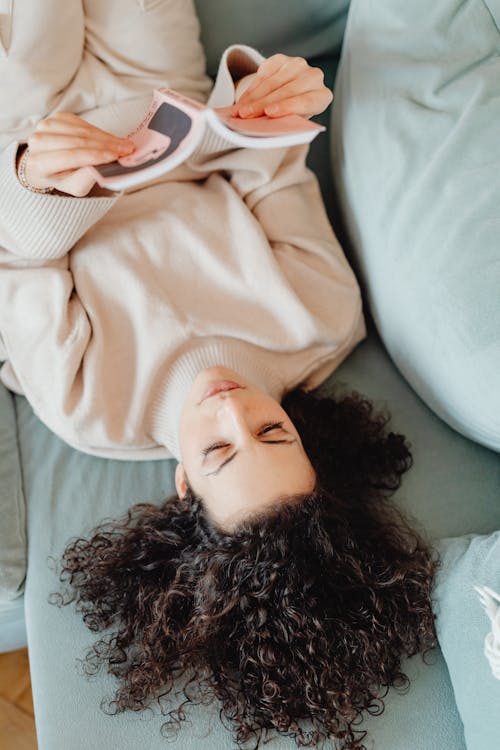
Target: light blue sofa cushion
pixel 416 155
pixel 462 626
pixel 12 509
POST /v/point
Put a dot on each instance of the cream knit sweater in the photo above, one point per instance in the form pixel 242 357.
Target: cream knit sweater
pixel 110 306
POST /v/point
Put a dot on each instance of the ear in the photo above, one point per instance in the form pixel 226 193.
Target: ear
pixel 180 481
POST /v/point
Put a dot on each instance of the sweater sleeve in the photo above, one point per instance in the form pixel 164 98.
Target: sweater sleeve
pixel 46 334
pixel 35 227
pixel 134 46
pixel 144 43
pixel 284 196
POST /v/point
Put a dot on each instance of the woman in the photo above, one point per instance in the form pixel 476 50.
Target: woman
pixel 172 321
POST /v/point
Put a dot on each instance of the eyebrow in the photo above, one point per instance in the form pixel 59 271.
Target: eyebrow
pixel 233 455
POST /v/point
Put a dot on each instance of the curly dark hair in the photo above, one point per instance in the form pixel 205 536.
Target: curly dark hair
pixel 302 613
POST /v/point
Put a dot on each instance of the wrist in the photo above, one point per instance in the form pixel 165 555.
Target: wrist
pixel 21 160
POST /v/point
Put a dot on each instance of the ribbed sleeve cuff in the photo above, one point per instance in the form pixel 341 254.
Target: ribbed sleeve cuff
pixel 42 226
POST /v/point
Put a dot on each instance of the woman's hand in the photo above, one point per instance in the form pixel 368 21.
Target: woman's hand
pixel 62 146
pixel 284 85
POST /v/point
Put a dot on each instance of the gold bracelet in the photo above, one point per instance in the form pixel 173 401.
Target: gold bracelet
pixel 22 176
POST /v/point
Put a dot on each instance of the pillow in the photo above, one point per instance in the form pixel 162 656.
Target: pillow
pixel 298 28
pixel 463 627
pixel 12 510
pixel 415 154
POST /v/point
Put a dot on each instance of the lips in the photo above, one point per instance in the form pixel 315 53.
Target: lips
pixel 217 386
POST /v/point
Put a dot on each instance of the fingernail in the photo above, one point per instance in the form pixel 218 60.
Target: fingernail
pixel 272 109
pixel 247 109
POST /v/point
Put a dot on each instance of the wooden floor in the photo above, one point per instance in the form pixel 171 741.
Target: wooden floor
pixel 17 725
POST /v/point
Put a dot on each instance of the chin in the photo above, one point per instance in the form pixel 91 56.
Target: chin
pixel 218 371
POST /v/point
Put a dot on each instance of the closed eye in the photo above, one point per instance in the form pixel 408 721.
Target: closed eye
pixel 214 447
pixel 288 441
pixel 265 430
pixel 270 427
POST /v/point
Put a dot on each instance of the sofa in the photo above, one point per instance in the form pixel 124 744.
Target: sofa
pixel 384 68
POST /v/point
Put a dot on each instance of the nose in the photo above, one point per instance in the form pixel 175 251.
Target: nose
pixel 232 412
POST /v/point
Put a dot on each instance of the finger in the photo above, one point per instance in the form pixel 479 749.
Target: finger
pixel 276 63
pixel 266 82
pixel 269 67
pixel 304 84
pixel 49 163
pixel 306 104
pixel 50 141
pixel 67 122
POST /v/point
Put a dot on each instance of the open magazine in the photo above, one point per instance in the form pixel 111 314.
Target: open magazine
pixel 176 126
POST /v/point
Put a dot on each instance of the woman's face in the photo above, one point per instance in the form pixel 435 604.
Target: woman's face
pixel 239 448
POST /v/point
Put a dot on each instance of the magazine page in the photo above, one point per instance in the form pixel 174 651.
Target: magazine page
pixel 257 132
pixel 174 126
pixel 165 137
pixel 262 126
